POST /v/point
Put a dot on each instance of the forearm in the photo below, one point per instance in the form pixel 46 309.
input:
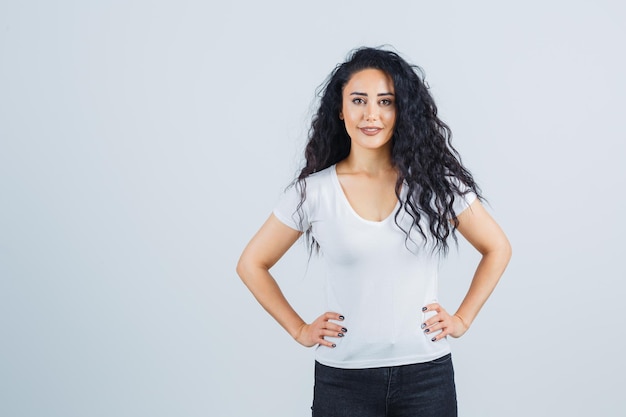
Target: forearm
pixel 267 292
pixel 486 277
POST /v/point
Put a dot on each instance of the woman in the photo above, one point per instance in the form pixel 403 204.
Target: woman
pixel 380 196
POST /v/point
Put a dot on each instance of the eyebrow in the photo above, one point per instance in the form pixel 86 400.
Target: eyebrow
pixel 356 93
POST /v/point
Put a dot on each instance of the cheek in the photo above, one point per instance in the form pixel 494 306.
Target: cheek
pixel 390 116
pixel 351 116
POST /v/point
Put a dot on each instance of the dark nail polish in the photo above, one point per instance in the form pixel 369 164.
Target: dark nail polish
pixel 423 325
pixel 434 339
pixel 427 331
pixel 343 329
pixel 334 345
pixel 341 317
pixel 424 308
pixel 340 334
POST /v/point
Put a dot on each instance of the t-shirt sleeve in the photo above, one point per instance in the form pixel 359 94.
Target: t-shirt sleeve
pixel 287 211
pixel 462 202
pixel 464 199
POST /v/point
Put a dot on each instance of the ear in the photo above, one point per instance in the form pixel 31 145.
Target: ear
pixel 340 115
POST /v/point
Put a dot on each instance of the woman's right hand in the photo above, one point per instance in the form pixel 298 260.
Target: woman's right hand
pixel 312 334
pixel 265 249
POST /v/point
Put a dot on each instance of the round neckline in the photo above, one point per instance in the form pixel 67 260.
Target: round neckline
pixel 344 198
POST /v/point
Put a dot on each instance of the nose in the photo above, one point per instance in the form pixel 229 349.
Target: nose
pixel 371 112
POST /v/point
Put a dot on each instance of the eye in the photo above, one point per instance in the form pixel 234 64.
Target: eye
pixel 358 100
pixel 386 102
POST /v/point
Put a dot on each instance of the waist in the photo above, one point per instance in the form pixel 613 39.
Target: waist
pixel 351 352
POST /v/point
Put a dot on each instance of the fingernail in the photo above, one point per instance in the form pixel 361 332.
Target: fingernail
pixel 427 330
pixel 341 317
pixel 343 329
pixel 434 339
pixel 423 325
pixel 424 308
pixel 340 334
pixel 334 345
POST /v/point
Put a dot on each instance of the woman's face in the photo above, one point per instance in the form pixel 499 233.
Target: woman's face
pixel 369 109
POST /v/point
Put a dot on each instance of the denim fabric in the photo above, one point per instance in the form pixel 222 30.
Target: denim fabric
pixel 417 390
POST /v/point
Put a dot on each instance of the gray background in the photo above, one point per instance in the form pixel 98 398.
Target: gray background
pixel 142 143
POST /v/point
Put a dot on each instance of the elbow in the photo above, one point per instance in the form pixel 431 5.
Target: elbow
pixel 508 249
pixel 239 268
pixel 505 251
pixel 244 272
pixel 242 268
pixel 499 249
pixel 249 269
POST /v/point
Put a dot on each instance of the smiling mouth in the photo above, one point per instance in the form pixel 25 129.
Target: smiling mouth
pixel 370 131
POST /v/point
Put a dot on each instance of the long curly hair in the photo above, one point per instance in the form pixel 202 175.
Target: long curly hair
pixel 421 149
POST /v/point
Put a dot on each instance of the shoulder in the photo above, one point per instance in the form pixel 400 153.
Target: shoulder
pixel 319 181
pixel 309 189
pixel 301 200
pixel 323 175
pixel 463 195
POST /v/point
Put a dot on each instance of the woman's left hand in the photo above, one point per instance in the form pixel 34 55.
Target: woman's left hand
pixel 448 325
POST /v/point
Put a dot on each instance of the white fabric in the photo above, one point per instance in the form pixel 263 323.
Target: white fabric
pixel 372 279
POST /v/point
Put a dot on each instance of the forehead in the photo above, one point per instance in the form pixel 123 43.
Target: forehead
pixel 369 79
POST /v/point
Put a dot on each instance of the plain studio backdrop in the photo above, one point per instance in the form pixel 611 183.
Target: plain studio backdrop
pixel 142 143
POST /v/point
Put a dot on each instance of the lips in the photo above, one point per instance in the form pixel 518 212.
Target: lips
pixel 370 130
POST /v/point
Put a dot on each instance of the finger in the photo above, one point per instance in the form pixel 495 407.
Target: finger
pixel 437 336
pixel 437 318
pixel 444 324
pixel 327 343
pixel 329 315
pixel 322 329
pixel 322 324
pixel 337 328
pixel 437 330
pixel 431 307
pixel 330 333
pixel 440 330
pixel 441 326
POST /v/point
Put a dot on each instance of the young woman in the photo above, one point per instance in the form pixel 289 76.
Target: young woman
pixel 381 195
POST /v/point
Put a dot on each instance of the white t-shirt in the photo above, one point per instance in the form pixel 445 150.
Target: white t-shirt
pixel 372 278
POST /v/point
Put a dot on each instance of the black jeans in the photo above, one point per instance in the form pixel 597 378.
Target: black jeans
pixel 418 390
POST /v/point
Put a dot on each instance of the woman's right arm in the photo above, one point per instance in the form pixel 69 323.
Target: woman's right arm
pixel 267 246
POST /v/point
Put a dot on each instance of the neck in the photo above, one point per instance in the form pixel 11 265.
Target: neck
pixel 370 162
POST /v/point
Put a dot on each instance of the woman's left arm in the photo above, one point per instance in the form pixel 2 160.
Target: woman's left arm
pixel 484 234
